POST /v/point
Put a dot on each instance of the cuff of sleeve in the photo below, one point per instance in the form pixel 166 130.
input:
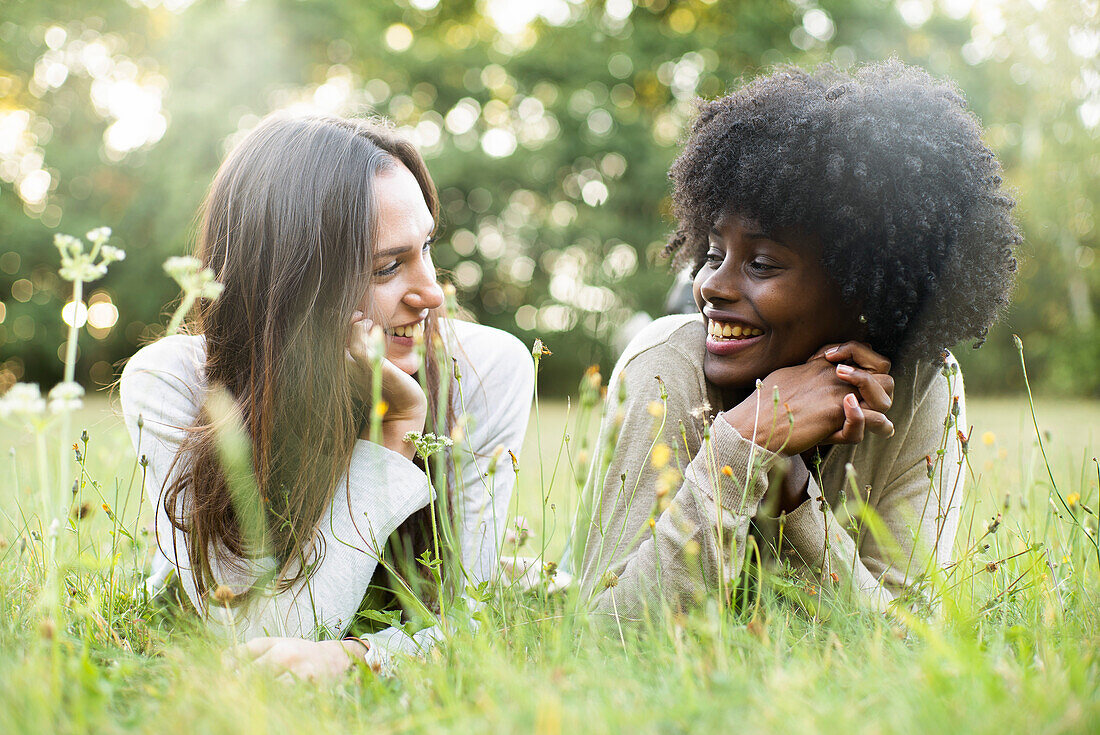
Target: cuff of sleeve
pixel 805 528
pixel 744 487
pixel 384 488
pixel 383 467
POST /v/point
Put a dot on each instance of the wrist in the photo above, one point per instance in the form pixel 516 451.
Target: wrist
pixel 796 486
pixel 394 431
pixel 356 648
pixel 758 429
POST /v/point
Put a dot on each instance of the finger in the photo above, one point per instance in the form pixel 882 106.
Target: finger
pixel 872 391
pixel 854 421
pixel 259 646
pixel 824 348
pixel 877 423
pixel 861 354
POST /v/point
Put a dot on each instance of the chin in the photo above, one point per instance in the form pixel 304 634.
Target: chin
pixel 727 377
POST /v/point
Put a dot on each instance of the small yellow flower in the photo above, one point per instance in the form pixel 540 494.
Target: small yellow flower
pixel 988 438
pixel 592 376
pixel 660 455
pixel 652 522
pixel 380 409
pixel 656 409
pixel 1073 499
pixel 834 576
pixel 727 471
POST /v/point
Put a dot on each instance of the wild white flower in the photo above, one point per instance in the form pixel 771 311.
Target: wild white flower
pixel 376 343
pixel 179 266
pixel 65 397
pixel 111 254
pixel 80 265
pixel 427 444
pixel 23 401
pixel 193 279
pixel 99 235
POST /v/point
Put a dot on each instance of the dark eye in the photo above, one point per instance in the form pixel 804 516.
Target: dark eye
pixel 762 267
pixel 428 244
pixel 388 270
pixel 714 256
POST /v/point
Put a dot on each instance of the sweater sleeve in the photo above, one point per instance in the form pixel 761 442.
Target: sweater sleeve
pixel 913 517
pixel 161 391
pixel 494 402
pixel 639 557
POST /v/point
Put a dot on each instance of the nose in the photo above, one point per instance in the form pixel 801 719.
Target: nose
pixel 424 291
pixel 720 286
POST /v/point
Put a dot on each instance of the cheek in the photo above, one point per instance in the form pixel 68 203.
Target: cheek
pixel 381 301
pixel 697 286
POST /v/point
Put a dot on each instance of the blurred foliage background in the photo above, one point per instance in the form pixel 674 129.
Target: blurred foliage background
pixel 548 126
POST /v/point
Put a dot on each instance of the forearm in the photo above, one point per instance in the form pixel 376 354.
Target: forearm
pixel 693 548
pixel 380 491
pixel 814 538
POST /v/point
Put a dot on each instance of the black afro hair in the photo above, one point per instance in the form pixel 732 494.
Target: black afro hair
pixel 887 167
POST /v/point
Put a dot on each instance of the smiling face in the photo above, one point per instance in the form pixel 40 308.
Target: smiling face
pixel 403 284
pixel 768 302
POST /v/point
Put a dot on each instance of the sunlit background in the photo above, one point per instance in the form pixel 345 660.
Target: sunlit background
pixel 547 124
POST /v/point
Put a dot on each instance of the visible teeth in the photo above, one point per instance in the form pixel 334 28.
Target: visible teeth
pixel 724 330
pixel 410 331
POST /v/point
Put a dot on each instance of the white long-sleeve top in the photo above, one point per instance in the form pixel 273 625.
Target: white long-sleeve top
pixel 164 385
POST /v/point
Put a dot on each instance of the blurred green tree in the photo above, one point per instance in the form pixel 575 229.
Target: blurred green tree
pixel 548 127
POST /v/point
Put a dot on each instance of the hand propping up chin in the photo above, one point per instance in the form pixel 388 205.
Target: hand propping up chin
pixel 836 396
pixel 406 404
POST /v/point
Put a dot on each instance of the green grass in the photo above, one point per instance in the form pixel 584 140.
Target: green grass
pixel 1009 653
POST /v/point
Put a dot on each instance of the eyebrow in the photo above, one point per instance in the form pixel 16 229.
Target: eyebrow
pixel 754 235
pixel 399 250
pixel 391 251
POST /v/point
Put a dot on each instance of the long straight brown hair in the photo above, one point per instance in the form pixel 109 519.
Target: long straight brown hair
pixel 289 227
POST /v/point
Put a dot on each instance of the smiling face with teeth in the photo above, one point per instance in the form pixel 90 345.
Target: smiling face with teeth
pixel 768 301
pixel 403 284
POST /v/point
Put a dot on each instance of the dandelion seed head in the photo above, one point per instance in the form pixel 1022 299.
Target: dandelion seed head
pixel 66 397
pixel 223 594
pixel 23 401
pixel 701 411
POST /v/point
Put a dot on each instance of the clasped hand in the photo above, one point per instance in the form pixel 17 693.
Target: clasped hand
pixel 406 404
pixel 836 396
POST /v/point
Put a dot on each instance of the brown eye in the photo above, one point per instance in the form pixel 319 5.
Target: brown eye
pixel 389 270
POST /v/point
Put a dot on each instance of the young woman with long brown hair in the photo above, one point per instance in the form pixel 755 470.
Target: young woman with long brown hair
pixel 320 228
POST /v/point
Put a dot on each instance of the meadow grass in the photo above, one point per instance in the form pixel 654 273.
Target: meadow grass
pixel 1014 648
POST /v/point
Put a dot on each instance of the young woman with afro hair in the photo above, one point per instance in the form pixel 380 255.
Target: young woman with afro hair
pixel 844 231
